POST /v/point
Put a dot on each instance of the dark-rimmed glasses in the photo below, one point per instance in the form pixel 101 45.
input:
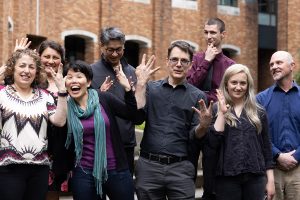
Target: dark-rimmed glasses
pixel 112 50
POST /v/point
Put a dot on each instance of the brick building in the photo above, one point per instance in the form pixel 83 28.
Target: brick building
pixel 255 29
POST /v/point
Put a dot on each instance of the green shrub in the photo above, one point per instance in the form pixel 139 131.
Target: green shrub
pixel 297 77
pixel 141 126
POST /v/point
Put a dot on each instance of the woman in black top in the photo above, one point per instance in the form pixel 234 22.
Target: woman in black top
pixel 244 169
pixel 52 56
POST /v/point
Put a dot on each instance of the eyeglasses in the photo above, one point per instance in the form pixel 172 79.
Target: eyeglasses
pixel 112 50
pixel 183 62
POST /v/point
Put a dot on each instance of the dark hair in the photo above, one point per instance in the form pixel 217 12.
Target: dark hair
pixel 80 66
pixel 216 21
pixel 40 76
pixel 53 45
pixel 184 46
pixel 111 33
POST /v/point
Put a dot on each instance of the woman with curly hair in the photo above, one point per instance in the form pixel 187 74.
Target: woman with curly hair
pixel 25 111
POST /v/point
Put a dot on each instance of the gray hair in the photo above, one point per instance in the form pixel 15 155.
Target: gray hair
pixel 111 33
pixel 287 55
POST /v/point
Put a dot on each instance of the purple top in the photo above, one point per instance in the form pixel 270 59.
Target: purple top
pixel 87 159
pixel 199 72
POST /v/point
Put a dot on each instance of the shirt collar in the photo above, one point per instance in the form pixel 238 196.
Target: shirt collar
pixel 294 87
pixel 184 84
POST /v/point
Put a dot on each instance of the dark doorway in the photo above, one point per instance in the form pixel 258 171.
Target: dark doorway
pixel 75 48
pixel 132 52
pixel 229 52
pixel 264 77
pixel 36 40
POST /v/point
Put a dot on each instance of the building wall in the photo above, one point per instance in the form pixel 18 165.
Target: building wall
pixel 242 32
pixel 2 29
pixel 155 21
pixel 289 27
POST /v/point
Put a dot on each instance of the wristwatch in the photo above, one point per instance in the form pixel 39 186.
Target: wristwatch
pixel 62 94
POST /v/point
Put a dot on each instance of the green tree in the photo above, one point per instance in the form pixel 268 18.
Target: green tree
pixel 297 77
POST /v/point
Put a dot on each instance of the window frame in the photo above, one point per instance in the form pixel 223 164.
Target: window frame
pixel 232 3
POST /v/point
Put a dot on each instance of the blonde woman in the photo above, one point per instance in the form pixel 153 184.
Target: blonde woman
pixel 244 170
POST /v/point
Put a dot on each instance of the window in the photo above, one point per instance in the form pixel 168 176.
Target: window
pixel 141 1
pixel 233 3
pixel 267 6
pixel 36 40
pixel 228 7
pixel 186 4
pixel 75 48
pixel 267 12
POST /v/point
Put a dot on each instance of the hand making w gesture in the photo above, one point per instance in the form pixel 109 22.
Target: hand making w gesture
pixel 144 70
pixel 205 117
pixel 23 44
pixel 121 77
pixel 219 124
pixel 223 107
pixel 106 84
pixel 59 79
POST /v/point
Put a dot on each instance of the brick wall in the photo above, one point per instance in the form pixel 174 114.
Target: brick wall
pixel 288 28
pixel 2 29
pixel 156 21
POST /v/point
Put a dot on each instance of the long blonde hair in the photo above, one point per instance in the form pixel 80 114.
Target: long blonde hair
pixel 250 105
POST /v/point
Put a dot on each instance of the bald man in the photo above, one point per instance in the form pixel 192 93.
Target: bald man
pixel 282 103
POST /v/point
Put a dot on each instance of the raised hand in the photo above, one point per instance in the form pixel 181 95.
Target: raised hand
pixel 132 84
pixel 58 78
pixel 106 84
pixel 2 74
pixel 144 70
pixel 223 107
pixel 23 44
pixel 121 77
pixel 204 113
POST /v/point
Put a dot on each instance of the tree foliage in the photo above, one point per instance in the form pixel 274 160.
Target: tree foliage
pixel 297 77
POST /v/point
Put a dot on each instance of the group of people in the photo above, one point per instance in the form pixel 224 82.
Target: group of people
pixel 78 121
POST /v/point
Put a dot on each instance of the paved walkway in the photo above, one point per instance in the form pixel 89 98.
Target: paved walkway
pixel 198 195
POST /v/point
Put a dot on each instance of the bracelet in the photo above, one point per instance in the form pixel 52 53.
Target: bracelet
pixel 62 94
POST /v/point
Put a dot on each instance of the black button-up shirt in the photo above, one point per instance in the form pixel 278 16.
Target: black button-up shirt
pixel 170 120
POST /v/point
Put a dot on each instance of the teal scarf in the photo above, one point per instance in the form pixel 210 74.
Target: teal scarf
pixel 75 129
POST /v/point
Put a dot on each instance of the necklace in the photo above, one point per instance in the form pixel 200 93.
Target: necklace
pixel 25 95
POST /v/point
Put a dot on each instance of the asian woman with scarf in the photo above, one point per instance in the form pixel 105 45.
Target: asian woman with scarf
pixel 100 160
